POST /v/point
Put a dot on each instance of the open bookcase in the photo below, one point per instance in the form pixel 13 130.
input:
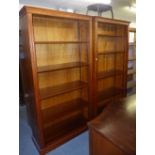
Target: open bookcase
pixel 58 48
pixel 110 60
pixel 131 84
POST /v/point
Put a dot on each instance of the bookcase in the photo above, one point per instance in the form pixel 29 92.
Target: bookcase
pixel 58 57
pixel 131 82
pixel 110 46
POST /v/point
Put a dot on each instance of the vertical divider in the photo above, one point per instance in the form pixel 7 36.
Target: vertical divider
pixel 96 49
pixel 88 72
pixel 115 60
pixel 80 60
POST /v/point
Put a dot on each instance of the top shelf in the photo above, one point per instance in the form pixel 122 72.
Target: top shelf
pixel 60 42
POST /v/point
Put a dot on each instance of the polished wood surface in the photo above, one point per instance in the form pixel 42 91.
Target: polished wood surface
pixel 114 130
pixel 59 49
pixel 63 77
pixel 110 46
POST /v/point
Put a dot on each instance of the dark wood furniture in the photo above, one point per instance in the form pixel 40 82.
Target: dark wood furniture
pixel 114 131
pixel 63 78
pixel 57 68
pixel 110 46
pixel 131 82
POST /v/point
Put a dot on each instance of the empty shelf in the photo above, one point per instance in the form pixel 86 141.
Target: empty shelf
pixel 60 66
pixel 133 71
pixel 109 93
pixel 108 73
pixel 63 109
pixel 60 89
pixel 66 127
pixel 60 42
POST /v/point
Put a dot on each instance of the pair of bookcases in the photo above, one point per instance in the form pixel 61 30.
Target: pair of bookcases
pixel 74 65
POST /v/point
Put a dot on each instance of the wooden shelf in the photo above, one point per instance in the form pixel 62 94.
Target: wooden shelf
pixel 64 127
pixel 131 59
pixel 60 42
pixel 132 44
pixel 129 77
pixel 60 89
pixel 108 93
pixel 108 74
pixel 110 52
pixel 110 35
pixel 61 110
pixel 133 71
pixel 131 84
pixel 60 66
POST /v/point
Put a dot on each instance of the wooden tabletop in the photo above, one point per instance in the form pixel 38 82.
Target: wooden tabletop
pixel 117 123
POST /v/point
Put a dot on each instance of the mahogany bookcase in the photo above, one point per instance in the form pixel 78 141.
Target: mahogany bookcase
pixel 68 74
pixel 57 67
pixel 110 49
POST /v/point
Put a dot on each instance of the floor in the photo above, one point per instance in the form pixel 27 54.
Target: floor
pixel 76 146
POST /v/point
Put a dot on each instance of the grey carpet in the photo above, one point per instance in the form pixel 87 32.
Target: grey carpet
pixel 76 146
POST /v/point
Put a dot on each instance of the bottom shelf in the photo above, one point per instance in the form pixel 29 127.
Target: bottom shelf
pixel 64 128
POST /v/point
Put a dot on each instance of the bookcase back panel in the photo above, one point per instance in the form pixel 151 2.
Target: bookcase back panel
pixel 50 54
pixel 120 44
pixel 63 126
pixel 106 83
pixel 54 29
pixel 106 29
pixel 83 31
pixel 111 29
pixel 83 49
pixel 51 79
pixel 106 63
pixel 67 109
pixel 59 99
pixel 84 74
pixel 119 81
pixel 120 30
pixel 84 94
pixel 120 61
pixel 106 44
